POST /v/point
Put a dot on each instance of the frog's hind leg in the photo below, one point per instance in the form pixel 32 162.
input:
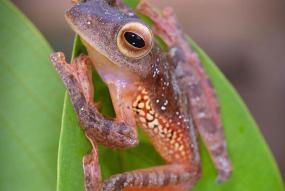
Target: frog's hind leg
pixel 163 178
pixel 168 188
pixel 131 181
pixel 91 168
pixel 193 78
pixel 183 187
pixel 211 130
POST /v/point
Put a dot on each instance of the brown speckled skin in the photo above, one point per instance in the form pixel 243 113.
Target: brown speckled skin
pixel 149 90
pixel 204 105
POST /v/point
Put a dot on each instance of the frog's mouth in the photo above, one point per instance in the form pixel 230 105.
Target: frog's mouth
pixel 88 36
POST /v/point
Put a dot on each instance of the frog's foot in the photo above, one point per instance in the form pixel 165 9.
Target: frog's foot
pixel 80 69
pixel 75 1
pixel 78 1
pixel 78 81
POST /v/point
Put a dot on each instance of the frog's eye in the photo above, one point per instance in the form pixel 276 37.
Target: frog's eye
pixel 134 40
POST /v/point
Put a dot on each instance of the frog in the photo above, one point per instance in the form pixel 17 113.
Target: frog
pixel 166 93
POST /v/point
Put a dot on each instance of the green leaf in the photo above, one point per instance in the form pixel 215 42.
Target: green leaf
pixel 254 166
pixel 30 106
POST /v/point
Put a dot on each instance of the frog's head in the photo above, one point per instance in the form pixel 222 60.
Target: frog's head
pixel 115 32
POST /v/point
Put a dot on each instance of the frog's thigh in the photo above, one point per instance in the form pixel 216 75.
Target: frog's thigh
pixel 168 177
pixel 166 188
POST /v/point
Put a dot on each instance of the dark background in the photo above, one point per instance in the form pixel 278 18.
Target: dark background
pixel 246 39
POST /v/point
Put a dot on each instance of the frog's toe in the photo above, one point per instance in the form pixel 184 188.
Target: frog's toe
pixel 57 58
pixel 225 172
pixel 123 136
pixel 130 136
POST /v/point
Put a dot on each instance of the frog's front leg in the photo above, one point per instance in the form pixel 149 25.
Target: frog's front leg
pixel 78 81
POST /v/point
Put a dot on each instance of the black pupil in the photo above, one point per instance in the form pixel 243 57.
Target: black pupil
pixel 134 39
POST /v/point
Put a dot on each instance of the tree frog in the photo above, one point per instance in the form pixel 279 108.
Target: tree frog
pixel 167 93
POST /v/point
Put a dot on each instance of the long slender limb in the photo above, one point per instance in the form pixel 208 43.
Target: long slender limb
pixel 92 174
pixel 192 76
pixel 91 167
pixel 212 134
pixel 178 177
pixel 77 79
pixel 167 177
